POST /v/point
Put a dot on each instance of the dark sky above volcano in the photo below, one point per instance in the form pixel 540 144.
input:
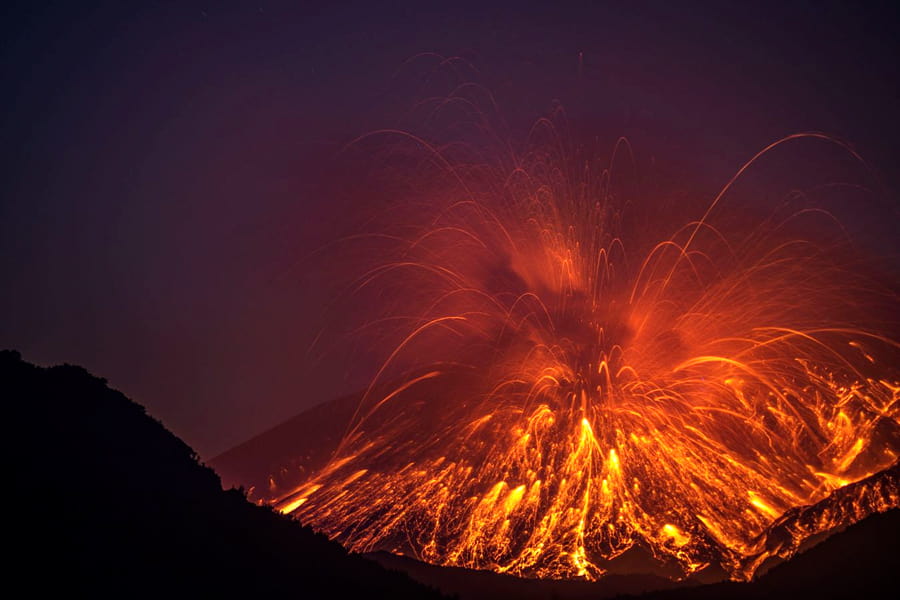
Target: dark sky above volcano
pixel 166 165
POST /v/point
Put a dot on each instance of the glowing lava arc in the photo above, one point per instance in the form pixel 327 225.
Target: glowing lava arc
pixel 565 400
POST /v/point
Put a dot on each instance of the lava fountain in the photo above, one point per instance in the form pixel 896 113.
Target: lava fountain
pixel 559 385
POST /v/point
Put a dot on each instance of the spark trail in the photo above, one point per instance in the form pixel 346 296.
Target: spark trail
pixel 564 386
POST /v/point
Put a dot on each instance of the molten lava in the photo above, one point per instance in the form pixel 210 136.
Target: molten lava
pixel 563 387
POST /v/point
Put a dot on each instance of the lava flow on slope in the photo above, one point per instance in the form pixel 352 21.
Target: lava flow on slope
pixel 561 382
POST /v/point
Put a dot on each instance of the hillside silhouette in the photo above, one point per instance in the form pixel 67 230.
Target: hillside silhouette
pixel 106 502
pixel 861 562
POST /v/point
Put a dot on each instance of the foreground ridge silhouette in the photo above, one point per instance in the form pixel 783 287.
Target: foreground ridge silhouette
pixel 110 503
pixel 861 562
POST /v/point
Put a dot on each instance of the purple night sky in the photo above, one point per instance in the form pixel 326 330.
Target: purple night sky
pixel 167 169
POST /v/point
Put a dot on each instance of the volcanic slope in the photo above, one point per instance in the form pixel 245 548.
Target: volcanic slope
pixel 278 460
pixel 862 561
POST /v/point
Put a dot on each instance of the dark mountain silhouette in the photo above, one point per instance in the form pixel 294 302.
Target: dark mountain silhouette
pixel 470 584
pixel 104 501
pixel 861 562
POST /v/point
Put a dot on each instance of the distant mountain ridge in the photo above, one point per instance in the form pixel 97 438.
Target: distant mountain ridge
pixel 280 457
pixel 108 503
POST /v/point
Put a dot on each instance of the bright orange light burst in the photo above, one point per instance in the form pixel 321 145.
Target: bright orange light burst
pixel 564 389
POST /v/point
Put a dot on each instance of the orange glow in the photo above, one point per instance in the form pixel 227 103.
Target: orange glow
pixel 565 387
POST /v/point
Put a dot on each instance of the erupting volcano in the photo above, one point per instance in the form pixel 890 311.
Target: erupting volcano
pixel 568 373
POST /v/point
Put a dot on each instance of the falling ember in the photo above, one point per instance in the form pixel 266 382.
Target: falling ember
pixel 564 388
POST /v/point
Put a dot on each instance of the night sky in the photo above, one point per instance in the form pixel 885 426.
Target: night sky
pixel 168 169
